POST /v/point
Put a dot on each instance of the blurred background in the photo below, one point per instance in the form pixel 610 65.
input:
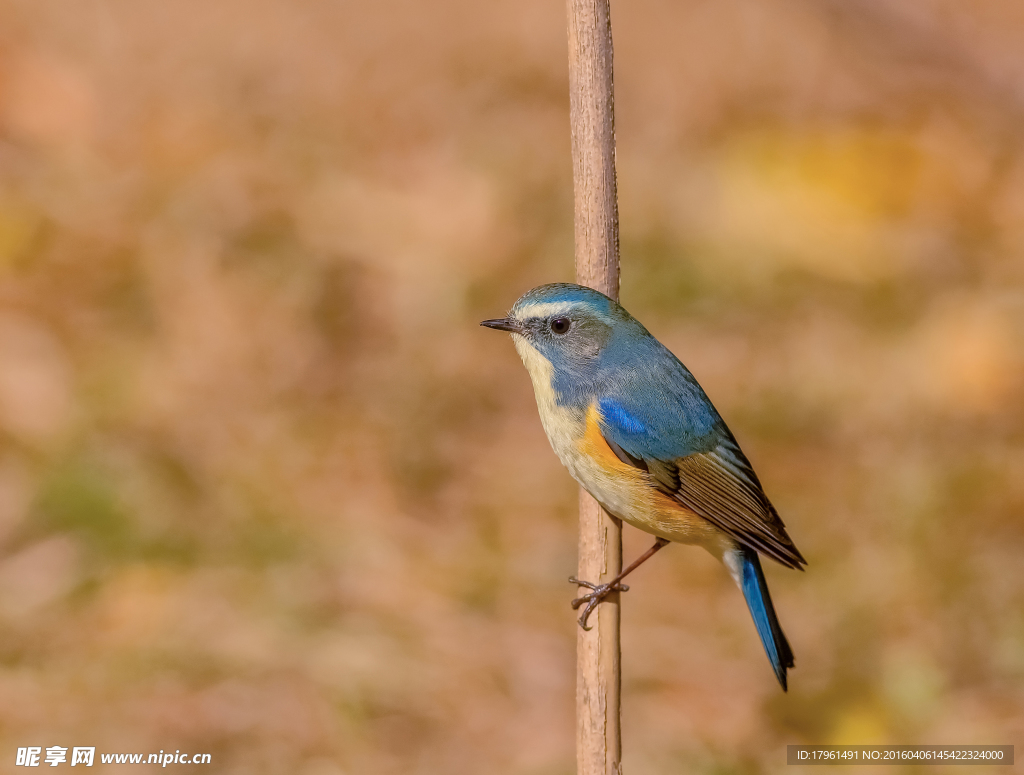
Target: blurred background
pixel 267 491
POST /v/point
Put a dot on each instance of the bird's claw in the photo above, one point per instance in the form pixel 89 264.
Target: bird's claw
pixel 600 592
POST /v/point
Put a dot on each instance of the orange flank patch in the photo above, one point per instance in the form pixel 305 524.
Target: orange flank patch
pixel 627 492
pixel 593 445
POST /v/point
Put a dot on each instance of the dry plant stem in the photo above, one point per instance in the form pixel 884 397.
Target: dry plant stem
pixel 592 118
pixel 598 738
pixel 598 735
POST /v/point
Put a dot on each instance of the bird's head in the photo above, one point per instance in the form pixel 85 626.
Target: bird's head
pixel 569 329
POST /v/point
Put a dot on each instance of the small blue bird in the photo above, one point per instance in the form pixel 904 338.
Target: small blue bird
pixel 635 429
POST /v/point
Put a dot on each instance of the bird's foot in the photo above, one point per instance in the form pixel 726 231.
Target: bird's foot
pixel 600 592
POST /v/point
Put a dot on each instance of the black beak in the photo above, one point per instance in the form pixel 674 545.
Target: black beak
pixel 503 324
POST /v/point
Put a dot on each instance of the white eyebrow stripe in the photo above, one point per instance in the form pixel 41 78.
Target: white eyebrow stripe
pixel 545 309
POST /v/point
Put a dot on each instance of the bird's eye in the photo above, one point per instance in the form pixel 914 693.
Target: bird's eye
pixel 561 325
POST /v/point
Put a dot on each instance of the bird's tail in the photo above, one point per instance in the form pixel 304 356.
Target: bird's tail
pixel 759 601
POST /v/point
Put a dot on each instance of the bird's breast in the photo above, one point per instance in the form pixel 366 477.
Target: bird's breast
pixel 623 490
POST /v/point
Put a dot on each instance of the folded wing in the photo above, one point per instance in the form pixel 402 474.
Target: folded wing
pixel 713 479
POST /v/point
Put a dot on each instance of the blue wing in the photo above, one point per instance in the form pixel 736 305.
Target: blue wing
pixel 664 424
pixel 661 412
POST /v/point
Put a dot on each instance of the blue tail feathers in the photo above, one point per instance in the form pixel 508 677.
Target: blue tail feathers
pixel 759 601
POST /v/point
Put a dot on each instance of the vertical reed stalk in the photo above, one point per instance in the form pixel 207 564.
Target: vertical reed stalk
pixel 592 116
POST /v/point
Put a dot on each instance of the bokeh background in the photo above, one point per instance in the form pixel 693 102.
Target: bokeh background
pixel 268 492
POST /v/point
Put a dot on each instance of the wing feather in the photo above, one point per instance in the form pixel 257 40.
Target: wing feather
pixel 721 487
pixel 690 455
pixel 717 484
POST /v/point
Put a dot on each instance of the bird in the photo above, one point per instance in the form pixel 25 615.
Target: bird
pixel 635 429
